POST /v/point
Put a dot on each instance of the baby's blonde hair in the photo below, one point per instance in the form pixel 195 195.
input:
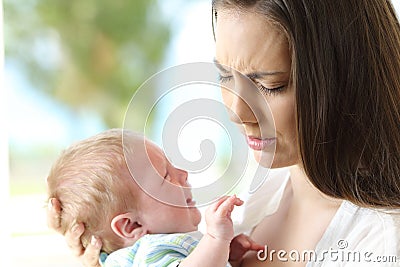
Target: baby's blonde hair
pixel 89 179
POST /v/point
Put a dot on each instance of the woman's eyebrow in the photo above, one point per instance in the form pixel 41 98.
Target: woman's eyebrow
pixel 257 75
pixel 220 66
pixel 252 75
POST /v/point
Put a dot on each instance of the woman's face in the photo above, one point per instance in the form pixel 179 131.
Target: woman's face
pixel 254 63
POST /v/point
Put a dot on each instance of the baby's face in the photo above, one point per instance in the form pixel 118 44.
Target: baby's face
pixel 166 203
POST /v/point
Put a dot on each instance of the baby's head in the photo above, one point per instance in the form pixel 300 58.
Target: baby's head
pixel 94 185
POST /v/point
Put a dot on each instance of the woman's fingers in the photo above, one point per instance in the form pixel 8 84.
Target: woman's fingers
pixel 247 243
pixel 92 252
pixel 240 244
pixel 54 214
pixel 73 239
pixel 89 256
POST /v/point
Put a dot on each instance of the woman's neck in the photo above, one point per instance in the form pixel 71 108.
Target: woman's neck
pixel 305 193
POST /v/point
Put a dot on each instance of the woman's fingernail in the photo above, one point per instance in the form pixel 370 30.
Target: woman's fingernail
pixel 75 228
pixel 50 204
pixel 94 241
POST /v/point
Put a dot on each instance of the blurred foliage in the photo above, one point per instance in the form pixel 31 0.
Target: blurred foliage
pixel 90 54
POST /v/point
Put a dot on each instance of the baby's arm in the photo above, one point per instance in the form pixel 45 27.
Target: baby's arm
pixel 213 248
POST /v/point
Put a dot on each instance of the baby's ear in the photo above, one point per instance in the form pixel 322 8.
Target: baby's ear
pixel 126 226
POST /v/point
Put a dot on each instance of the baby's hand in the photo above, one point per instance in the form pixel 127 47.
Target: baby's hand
pixel 218 218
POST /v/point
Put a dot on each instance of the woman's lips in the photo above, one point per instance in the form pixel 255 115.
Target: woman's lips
pixel 258 143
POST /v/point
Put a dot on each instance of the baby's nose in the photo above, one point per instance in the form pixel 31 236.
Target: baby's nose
pixel 180 176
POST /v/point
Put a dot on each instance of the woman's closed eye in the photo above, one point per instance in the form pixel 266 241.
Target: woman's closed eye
pixel 268 91
pixel 225 79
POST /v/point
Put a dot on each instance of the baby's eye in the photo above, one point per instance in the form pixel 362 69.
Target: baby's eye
pixel 164 178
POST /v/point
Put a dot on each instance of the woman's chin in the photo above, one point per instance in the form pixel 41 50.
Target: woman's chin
pixel 265 159
pixel 272 161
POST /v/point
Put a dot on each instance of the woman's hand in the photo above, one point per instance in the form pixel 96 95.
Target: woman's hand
pixel 89 257
pixel 240 245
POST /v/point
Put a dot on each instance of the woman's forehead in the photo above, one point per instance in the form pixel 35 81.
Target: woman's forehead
pixel 247 42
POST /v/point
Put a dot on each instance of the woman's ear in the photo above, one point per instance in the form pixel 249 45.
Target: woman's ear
pixel 126 226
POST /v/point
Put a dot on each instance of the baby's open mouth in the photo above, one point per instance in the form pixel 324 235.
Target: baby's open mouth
pixel 190 201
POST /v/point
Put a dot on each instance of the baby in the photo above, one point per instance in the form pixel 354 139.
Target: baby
pixel 150 223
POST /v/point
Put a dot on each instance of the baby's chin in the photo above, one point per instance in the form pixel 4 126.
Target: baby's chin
pixel 196 217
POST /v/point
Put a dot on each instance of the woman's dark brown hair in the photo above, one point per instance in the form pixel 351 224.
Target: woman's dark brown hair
pixel 346 73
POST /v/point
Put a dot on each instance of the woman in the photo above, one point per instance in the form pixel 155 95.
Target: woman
pixel 329 71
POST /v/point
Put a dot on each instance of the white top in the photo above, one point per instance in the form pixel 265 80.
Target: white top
pixel 355 237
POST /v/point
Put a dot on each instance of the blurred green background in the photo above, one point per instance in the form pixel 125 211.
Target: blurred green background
pixel 87 57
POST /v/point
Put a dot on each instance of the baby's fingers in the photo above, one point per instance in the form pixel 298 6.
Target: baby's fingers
pixel 227 205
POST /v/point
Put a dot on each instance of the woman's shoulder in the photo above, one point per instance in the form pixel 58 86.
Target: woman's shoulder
pixel 372 233
pixel 370 218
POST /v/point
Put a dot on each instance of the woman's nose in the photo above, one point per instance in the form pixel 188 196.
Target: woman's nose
pixel 240 101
